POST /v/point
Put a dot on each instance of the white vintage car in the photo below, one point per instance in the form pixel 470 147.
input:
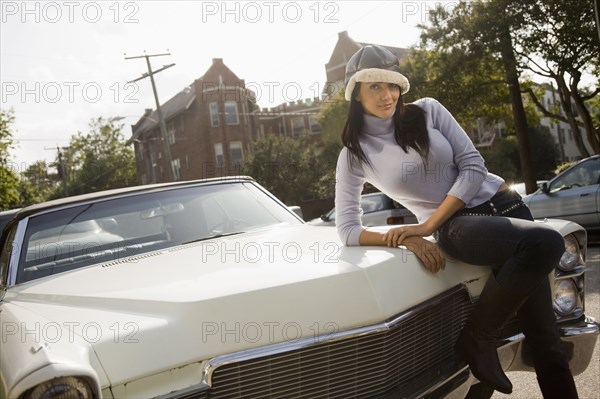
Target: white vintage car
pixel 215 289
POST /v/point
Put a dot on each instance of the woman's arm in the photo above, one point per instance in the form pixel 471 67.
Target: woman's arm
pixel 428 252
pixel 449 206
pixel 348 187
pixel 467 159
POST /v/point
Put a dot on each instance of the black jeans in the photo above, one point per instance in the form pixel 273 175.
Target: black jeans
pixel 522 253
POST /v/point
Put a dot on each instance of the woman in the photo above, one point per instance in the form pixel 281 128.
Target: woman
pixel 418 155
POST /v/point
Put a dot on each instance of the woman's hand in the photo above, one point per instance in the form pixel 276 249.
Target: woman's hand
pixel 428 253
pixel 397 235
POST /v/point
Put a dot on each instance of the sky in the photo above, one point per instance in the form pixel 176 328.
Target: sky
pixel 62 63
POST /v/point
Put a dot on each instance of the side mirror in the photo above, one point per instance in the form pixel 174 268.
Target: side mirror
pixel 324 218
pixel 544 188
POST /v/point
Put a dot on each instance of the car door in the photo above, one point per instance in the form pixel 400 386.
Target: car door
pixel 573 195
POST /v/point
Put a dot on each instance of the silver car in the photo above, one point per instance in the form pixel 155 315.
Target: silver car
pixel 572 195
pixel 378 210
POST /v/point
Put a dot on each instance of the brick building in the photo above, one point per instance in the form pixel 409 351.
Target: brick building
pixel 208 126
pixel 212 123
pixel 290 119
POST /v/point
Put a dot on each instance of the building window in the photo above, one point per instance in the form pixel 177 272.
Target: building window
pixel 214 114
pixel 176 168
pixel 297 126
pixel 236 153
pixel 315 127
pixel 171 133
pixel 281 128
pixel 219 154
pixel 231 113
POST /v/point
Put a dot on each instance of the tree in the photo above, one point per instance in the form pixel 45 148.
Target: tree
pixel 470 87
pixel 483 29
pixel 37 184
pixel 98 160
pixel 285 166
pixel 9 180
pixel 560 41
pixel 332 118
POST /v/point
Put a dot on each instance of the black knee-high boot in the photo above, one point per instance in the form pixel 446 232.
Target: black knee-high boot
pixel 478 339
pixel 542 340
pixel 558 385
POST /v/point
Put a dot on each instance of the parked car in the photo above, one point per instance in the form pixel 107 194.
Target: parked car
pixel 378 210
pixel 572 195
pixel 520 187
pixel 215 289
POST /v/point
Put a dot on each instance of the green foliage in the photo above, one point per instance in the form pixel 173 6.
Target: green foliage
pixel 503 159
pixel 562 33
pixel 559 40
pixel 545 151
pixel 332 118
pixel 98 160
pixel 37 183
pixel 283 165
pixel 9 180
pixel 562 167
pixel 294 169
pixel 470 87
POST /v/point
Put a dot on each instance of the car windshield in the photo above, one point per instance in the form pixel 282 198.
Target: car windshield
pixel 115 228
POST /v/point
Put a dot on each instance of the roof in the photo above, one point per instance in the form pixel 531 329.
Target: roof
pixel 180 102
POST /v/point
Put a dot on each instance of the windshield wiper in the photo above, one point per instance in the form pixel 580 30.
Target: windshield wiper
pixel 211 237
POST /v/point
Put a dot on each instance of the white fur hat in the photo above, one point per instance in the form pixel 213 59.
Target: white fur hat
pixel 374 63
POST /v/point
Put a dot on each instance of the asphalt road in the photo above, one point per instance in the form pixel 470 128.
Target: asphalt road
pixel 588 383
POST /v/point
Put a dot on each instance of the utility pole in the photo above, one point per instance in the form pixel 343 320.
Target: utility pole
pixel 161 121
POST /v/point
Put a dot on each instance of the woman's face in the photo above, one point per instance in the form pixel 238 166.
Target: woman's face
pixel 378 98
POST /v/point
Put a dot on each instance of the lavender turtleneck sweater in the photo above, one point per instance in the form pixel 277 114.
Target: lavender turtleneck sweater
pixel 454 167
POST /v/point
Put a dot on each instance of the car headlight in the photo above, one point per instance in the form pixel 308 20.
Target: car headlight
pixel 61 388
pixel 571 256
pixel 565 296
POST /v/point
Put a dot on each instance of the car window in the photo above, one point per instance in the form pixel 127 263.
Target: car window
pixel 373 203
pixel 112 229
pixel 581 175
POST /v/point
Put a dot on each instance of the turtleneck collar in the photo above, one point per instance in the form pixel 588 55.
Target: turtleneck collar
pixel 377 126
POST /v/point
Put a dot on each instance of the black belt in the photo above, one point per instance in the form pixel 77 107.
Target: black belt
pixel 500 204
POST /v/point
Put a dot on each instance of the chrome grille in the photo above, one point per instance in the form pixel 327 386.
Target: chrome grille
pixel 404 355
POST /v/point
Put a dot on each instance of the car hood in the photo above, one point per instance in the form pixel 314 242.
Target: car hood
pixel 161 310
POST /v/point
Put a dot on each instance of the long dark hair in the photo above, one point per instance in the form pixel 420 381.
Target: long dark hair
pixel 410 129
